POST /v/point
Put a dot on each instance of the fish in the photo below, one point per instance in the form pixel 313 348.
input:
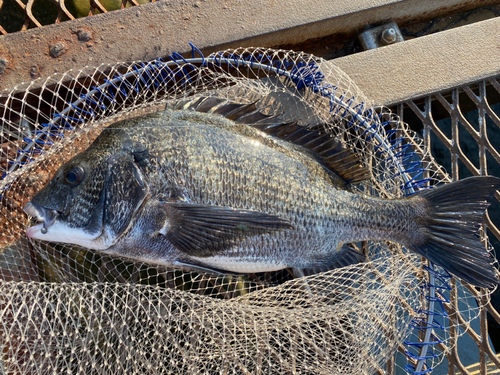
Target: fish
pixel 210 185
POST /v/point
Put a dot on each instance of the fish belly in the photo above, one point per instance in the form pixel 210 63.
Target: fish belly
pixel 239 265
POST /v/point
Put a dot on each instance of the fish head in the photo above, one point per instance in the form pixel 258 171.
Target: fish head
pixel 90 201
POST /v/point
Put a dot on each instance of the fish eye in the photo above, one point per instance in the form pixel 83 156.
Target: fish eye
pixel 74 176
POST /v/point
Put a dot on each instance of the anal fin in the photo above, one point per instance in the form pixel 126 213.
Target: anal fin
pixel 348 255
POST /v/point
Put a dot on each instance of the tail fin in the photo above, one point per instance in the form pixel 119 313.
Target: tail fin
pixel 456 212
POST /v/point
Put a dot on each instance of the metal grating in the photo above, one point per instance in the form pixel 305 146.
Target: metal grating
pixel 462 129
pixel 20 15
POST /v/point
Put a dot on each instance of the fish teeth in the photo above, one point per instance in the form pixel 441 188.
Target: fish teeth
pixel 41 215
pixel 34 212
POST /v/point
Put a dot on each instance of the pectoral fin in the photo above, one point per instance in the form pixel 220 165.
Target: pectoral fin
pixel 203 230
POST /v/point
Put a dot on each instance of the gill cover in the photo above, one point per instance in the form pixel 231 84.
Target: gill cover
pixel 125 193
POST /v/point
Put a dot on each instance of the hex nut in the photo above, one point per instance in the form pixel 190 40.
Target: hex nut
pixel 388 36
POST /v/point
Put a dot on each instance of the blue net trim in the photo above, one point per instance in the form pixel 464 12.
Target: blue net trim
pixel 176 71
pixel 435 292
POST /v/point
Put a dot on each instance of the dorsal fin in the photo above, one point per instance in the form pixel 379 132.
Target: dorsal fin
pixel 329 151
pixel 241 113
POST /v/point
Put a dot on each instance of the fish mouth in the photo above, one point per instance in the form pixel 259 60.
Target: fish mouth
pixel 45 218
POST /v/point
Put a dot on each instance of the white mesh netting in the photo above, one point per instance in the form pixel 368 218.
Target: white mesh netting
pixel 65 309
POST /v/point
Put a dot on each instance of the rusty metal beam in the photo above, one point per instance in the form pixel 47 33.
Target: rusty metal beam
pixel 427 65
pixel 157 29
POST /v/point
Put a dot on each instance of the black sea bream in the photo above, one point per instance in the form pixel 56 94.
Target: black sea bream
pixel 226 192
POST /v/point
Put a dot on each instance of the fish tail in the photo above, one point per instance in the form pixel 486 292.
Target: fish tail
pixel 449 236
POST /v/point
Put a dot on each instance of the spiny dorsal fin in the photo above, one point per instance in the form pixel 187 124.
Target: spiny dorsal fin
pixel 329 151
pixel 242 113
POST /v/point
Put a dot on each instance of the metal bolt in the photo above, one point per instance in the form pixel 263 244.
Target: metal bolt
pixel 83 35
pixel 388 36
pixel 57 49
pixel 3 64
pixel 34 71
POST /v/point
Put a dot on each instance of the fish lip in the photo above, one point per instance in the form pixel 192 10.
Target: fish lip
pixel 45 217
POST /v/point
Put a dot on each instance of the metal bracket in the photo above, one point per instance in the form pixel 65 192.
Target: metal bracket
pixel 381 36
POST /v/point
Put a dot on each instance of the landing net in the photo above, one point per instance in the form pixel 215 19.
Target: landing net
pixel 64 309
